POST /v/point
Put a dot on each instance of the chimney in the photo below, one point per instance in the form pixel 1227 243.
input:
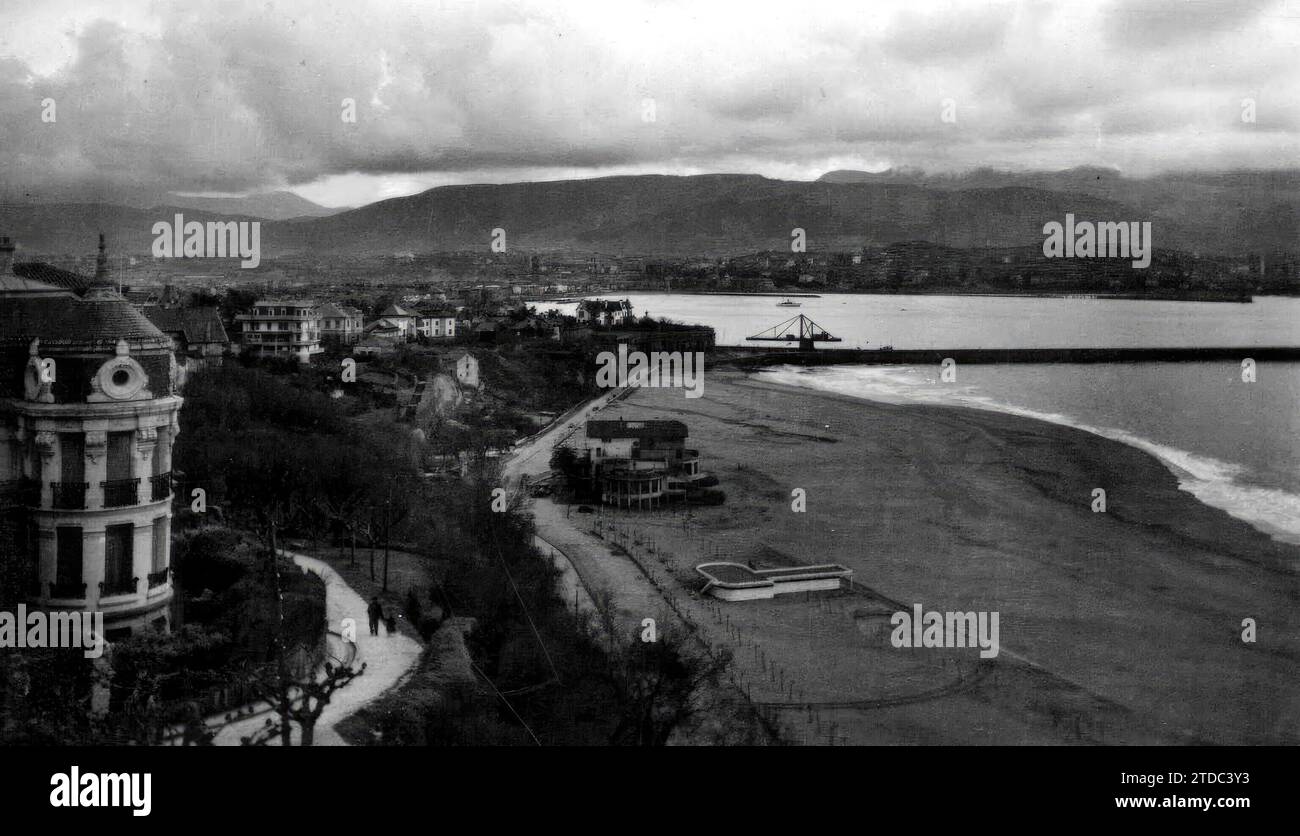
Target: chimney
pixel 6 255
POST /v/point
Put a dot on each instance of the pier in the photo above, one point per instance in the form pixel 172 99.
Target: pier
pixel 753 356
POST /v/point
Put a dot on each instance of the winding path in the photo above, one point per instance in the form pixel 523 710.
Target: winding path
pixel 387 659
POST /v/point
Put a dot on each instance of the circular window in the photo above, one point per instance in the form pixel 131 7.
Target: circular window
pixel 120 378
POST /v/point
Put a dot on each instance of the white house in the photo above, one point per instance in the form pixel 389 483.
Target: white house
pixel 437 325
pixel 466 370
pixel 604 312
pixel 405 321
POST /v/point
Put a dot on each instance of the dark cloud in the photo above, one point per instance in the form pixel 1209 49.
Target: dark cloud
pixel 1164 23
pixel 243 95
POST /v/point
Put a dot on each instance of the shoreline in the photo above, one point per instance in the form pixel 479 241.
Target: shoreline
pixel 1126 623
pixel 1162 451
pixel 1099 296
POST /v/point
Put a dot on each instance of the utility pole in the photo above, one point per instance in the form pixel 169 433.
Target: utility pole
pixel 371 537
pixel 388 501
pixel 282 662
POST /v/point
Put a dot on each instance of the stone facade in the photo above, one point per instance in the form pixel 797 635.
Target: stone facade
pixel 89 414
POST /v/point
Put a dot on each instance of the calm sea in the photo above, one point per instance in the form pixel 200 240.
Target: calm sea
pixel 1234 445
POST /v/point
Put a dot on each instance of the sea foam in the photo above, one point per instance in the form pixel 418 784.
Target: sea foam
pixel 1215 482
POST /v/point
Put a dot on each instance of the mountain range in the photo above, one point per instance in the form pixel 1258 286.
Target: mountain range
pixel 1228 213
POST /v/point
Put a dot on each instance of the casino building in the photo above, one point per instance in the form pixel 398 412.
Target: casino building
pixel 640 464
pixel 88 416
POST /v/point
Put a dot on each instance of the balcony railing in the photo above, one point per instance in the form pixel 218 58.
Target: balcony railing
pixel 69 496
pixel 121 492
pixel 121 587
pixel 160 486
pixel 67 590
pixel 158 578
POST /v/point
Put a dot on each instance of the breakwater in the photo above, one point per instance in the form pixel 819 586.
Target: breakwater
pixel 756 357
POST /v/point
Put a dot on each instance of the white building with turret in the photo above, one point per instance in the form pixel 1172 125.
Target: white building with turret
pixel 88 417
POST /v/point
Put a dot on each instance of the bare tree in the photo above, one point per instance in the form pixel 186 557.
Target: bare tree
pixel 294 691
pixel 297 700
pixel 662 686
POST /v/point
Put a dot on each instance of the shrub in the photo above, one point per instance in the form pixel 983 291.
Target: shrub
pixel 414 612
pixel 428 625
pixel 214 558
pixel 706 496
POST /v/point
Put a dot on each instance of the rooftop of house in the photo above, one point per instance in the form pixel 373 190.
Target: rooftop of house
pixel 619 428
pixel 68 311
pixel 143 295
pixel 69 321
pixel 14 286
pixel 605 305
pixel 330 310
pixel 50 275
pixel 195 325
pixel 396 310
pixel 284 303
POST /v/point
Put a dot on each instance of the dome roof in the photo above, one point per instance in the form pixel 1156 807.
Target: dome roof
pixel 95 322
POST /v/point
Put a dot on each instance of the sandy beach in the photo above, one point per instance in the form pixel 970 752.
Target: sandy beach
pixel 1116 627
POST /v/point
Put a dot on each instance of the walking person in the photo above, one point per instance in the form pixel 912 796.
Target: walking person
pixel 376 612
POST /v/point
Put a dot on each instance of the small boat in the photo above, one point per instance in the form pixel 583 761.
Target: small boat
pixel 786 303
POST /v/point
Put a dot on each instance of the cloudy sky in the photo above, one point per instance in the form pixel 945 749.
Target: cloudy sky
pixel 235 96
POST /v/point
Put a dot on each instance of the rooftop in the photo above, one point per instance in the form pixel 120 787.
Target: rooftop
pixel 195 325
pixel 333 311
pixel 604 305
pixel 284 303
pixel 18 286
pixel 68 321
pixel 658 429
pixel 48 274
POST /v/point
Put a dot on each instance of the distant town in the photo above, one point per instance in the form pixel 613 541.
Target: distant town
pixel 458 279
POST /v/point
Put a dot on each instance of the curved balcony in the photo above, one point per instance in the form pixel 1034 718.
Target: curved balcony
pixel 157 579
pixel 160 486
pixel 629 486
pixel 119 493
pixel 119 587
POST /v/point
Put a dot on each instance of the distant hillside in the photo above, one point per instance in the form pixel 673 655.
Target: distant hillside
pixel 727 214
pixel 1231 213
pixel 892 175
pixel 73 228
pixel 271 206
